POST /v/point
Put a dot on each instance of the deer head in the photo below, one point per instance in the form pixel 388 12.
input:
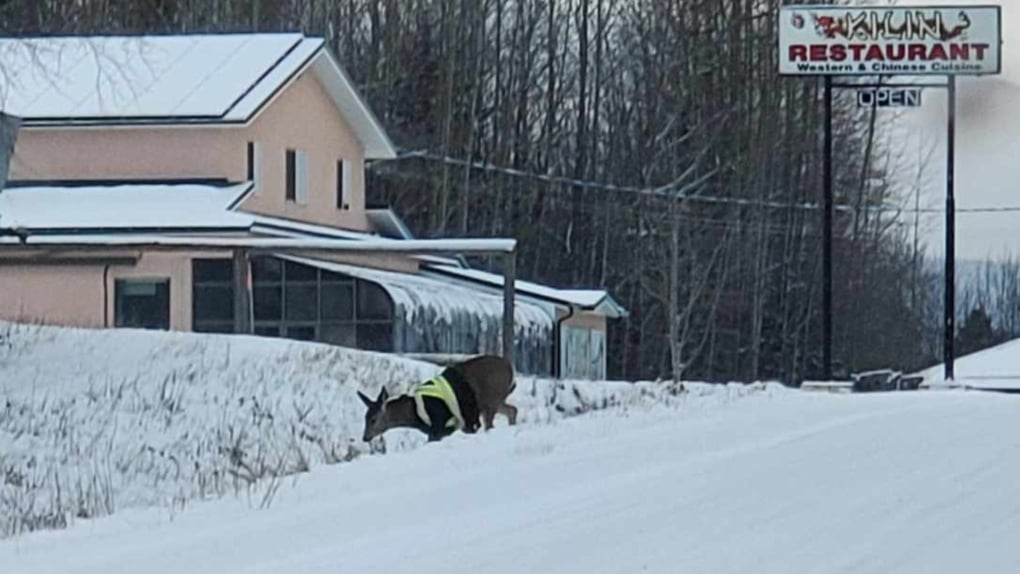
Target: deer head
pixel 376 417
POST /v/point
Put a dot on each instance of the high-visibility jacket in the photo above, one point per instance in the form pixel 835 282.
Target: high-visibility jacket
pixel 439 388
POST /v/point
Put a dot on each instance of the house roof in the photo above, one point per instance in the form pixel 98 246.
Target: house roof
pixel 388 223
pixel 50 208
pixel 162 213
pixel 183 79
pixel 110 212
pixel 412 291
pixel 593 300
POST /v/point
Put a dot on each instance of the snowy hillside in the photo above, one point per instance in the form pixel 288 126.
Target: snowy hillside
pixel 94 422
pixel 777 482
pixel 997 367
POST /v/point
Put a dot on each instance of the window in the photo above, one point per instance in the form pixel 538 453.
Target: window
pixel 268 302
pixel 291 175
pixel 343 185
pixel 297 176
pixel 270 331
pixel 212 295
pixel 373 302
pixel 303 302
pixel 142 303
pixel 337 301
pixel 254 164
pixel 267 269
pixel 340 334
pixel 301 332
pixel 375 337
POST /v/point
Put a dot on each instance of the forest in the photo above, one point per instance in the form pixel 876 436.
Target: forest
pixel 648 147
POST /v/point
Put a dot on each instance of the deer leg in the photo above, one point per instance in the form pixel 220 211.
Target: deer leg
pixel 487 417
pixel 510 411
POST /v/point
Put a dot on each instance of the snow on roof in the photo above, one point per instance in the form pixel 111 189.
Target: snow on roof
pixel 112 210
pixel 388 223
pixel 416 292
pixel 71 240
pixel 596 300
pixel 212 78
pixel 124 206
pixel 103 209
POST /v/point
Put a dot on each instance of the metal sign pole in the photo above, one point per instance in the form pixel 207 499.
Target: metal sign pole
pixel 950 288
pixel 827 236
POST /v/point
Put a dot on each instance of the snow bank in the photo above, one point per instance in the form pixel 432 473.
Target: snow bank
pixel 995 368
pixel 772 483
pixel 92 422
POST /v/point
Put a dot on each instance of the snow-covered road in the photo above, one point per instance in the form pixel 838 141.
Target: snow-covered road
pixel 777 482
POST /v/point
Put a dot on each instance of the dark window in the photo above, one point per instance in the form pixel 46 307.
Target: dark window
pixel 301 332
pixel 373 302
pixel 267 330
pixel 251 161
pixel 299 272
pixel 267 269
pixel 375 336
pixel 337 301
pixel 302 303
pixel 213 327
pixel 339 334
pixel 291 175
pixel 142 303
pixel 213 303
pixel 212 270
pixel 268 302
pixel 212 295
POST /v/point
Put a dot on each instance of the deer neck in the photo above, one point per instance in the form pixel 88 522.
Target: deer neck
pixel 401 413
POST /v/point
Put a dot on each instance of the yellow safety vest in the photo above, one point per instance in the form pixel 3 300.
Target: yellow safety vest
pixel 438 387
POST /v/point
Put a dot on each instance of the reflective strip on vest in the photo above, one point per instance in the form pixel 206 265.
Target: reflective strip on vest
pixel 438 387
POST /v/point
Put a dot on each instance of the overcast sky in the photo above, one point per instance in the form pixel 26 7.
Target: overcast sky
pixel 987 149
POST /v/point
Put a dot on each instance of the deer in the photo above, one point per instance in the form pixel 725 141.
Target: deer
pixel 453 400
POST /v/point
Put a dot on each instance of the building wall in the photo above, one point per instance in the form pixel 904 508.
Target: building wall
pixel 301 117
pixel 582 347
pixel 586 320
pixel 304 117
pixel 73 295
pixel 127 153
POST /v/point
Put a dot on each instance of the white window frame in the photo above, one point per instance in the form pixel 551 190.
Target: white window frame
pixel 300 176
pixel 345 176
pixel 253 165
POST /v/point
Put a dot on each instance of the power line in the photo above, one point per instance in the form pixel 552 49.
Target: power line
pixel 672 193
pixel 588 184
pixel 990 209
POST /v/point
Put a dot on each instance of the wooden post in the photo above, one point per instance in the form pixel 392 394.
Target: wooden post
pixel 509 279
pixel 242 296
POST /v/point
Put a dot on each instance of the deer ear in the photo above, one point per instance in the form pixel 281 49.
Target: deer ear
pixel 383 395
pixel 368 402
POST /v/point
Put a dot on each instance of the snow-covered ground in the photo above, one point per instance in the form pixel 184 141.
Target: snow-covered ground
pixel 778 481
pixel 997 367
pixel 167 431
pixel 94 422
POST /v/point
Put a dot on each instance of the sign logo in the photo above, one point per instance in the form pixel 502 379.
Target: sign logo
pixel 962 40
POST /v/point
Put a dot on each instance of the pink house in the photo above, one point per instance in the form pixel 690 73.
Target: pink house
pixel 236 136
